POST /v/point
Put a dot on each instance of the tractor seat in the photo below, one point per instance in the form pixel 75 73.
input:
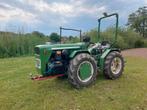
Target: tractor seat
pixel 105 44
pixel 86 39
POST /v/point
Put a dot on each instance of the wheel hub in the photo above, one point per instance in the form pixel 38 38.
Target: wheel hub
pixel 85 71
pixel 116 65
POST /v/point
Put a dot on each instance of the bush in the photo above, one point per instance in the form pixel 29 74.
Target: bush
pixel 121 43
pixel 145 43
pixel 54 37
pixel 12 45
pixel 127 38
pixel 139 43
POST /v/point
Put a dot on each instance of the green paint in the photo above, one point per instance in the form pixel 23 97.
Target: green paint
pixel 116 26
pixel 85 71
pixel 103 56
pixel 44 59
pixel 75 52
pixel 77 48
pixel 46 50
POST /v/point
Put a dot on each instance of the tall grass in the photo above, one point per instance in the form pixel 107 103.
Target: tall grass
pixel 12 45
pixel 127 38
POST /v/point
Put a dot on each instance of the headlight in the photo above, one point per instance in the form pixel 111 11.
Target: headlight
pixel 38 63
pixel 37 50
pixel 45 52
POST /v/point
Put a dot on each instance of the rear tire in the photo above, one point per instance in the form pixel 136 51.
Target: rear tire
pixel 114 65
pixel 82 70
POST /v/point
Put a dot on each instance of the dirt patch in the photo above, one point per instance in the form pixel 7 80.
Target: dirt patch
pixel 138 52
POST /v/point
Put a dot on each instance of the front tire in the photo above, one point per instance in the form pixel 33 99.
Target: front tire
pixel 114 65
pixel 82 70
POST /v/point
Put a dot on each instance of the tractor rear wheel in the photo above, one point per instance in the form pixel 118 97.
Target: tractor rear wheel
pixel 114 65
pixel 82 70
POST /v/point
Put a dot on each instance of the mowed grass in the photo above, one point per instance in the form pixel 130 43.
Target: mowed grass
pixel 18 92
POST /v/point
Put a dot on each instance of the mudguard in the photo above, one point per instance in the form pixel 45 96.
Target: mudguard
pixel 104 55
pixel 74 53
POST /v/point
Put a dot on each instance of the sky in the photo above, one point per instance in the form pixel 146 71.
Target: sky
pixel 47 16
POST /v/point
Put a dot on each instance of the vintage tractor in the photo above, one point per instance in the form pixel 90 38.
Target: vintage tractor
pixel 80 62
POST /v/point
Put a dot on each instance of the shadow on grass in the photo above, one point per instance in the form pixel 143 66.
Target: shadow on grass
pixel 58 84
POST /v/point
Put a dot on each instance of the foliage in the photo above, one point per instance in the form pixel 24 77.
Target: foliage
pixel 54 37
pixel 138 21
pixel 139 43
pixel 93 34
pixel 127 38
pixel 145 43
pixel 12 45
pixel 70 39
pixel 38 34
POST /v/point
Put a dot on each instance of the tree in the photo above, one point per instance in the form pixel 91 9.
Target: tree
pixel 71 38
pixel 54 37
pixel 39 34
pixel 138 21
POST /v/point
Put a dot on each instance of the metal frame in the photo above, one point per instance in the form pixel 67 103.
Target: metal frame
pixel 61 28
pixel 39 78
pixel 116 27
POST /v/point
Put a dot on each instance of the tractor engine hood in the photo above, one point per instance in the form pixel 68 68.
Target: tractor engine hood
pixel 44 52
pixel 61 46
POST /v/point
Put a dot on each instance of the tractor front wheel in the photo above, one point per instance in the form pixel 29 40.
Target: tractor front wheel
pixel 114 65
pixel 82 70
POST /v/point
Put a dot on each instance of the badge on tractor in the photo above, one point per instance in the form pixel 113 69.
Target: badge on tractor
pixel 80 62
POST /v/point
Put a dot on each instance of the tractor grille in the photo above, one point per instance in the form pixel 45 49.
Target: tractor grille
pixel 37 50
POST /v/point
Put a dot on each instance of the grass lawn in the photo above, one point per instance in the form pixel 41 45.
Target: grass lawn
pixel 18 92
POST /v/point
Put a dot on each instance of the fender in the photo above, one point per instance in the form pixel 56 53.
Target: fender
pixel 74 53
pixel 104 55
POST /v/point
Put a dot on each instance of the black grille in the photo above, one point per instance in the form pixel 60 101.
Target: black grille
pixel 37 50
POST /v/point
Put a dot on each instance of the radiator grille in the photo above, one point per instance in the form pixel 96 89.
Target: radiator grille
pixel 37 50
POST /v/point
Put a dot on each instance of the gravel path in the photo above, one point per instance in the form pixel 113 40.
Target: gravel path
pixel 138 52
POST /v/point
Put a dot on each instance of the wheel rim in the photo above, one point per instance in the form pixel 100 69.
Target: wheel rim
pixel 116 65
pixel 85 71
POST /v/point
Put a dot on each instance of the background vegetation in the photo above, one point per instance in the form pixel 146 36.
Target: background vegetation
pixel 133 36
pixel 127 38
pixel 12 45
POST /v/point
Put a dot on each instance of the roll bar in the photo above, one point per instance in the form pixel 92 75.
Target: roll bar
pixel 61 28
pixel 116 27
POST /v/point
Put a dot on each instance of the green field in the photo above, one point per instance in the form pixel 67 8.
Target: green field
pixel 18 92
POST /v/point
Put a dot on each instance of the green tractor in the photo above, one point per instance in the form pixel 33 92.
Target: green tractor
pixel 80 62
